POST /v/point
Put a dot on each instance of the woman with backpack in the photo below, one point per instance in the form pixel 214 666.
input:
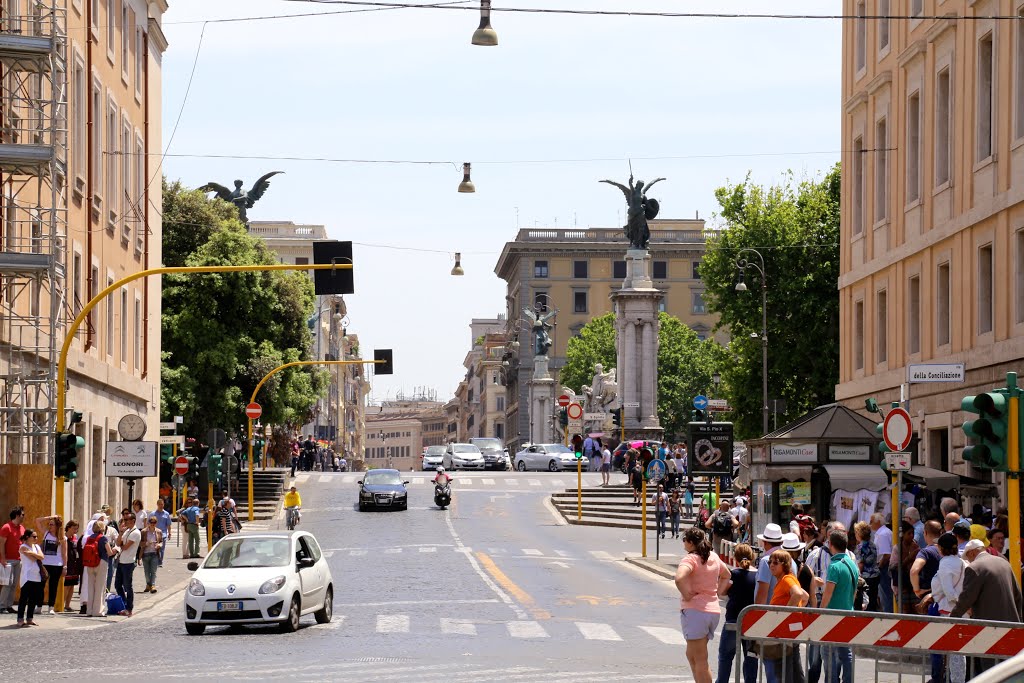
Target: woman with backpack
pixel 636 477
pixel 675 505
pixel 96 551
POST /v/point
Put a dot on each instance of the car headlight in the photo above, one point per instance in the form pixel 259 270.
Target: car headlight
pixel 273 585
pixel 196 587
pixel 365 494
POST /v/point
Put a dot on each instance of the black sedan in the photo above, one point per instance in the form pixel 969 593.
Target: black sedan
pixel 383 489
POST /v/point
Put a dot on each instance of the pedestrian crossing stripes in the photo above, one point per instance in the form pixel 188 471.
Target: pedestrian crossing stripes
pixel 523 553
pixel 597 631
pixel 392 623
pixel 510 480
pixel 669 636
pixel 526 629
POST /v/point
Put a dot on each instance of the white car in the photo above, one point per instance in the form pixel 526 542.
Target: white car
pixel 463 456
pixel 433 457
pixel 548 456
pixel 259 578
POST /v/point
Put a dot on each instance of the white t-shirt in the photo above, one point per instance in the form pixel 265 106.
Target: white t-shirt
pixel 129 556
pixel 883 540
pixel 140 519
pixel 29 567
pixel 606 456
pixel 740 514
pixel 52 554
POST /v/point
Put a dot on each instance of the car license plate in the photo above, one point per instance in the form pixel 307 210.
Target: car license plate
pixel 235 606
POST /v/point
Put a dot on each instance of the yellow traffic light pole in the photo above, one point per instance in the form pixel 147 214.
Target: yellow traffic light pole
pixel 1013 465
pixel 62 362
pixel 263 381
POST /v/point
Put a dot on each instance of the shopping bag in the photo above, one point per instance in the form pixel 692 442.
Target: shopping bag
pixel 5 574
pixel 115 604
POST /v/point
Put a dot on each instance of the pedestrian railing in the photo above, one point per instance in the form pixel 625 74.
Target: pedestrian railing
pixel 937 648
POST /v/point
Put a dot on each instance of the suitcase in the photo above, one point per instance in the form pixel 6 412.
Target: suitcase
pixel 115 604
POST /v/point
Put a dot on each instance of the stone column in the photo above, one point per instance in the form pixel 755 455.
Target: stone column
pixel 632 386
pixel 648 387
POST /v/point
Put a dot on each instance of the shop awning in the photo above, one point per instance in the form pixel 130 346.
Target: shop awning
pixel 932 478
pixel 855 477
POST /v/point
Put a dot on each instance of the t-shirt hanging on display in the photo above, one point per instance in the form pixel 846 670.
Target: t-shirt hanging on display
pixel 866 501
pixel 843 505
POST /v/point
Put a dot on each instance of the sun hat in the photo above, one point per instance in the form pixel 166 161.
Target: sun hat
pixel 974 544
pixel 772 534
pixel 791 541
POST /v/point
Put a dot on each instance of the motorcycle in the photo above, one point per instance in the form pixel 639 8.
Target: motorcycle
pixel 442 495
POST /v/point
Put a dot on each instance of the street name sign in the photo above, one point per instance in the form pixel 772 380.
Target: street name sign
pixel 935 372
pixel 594 417
pixel 131 459
pixel 897 429
pixel 168 425
pixel 718 404
pixel 165 439
pixel 631 404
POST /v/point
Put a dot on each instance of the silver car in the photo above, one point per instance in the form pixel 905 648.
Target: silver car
pixel 433 457
pixel 548 456
pixel 463 456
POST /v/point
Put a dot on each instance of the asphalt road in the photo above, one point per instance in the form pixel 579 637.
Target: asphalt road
pixel 494 589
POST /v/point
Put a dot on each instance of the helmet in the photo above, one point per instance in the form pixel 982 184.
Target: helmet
pixel 440 470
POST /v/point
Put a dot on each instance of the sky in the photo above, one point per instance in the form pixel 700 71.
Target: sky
pixel 562 102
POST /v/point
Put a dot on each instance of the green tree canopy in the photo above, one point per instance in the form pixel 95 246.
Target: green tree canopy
pixel 685 365
pixel 222 332
pixel 795 228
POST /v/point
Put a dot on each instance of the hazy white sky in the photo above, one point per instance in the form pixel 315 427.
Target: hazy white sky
pixel 731 95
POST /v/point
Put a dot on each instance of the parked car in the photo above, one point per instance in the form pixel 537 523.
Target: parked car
pixel 260 577
pixel 493 450
pixel 383 488
pixel 547 456
pixel 463 456
pixel 433 457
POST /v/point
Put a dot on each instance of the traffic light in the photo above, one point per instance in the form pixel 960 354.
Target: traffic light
pixel 385 368
pixel 617 417
pixel 333 281
pixel 577 446
pixel 65 455
pixel 563 417
pixel 882 448
pixel 214 465
pixel 167 453
pixel 696 416
pixel 987 433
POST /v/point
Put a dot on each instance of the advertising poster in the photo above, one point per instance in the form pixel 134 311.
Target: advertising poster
pixel 791 492
pixel 710 449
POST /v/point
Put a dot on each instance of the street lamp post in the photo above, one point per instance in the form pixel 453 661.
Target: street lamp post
pixel 742 264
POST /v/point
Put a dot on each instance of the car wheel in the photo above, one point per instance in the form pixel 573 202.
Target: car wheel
pixel 323 615
pixel 404 508
pixel 362 508
pixel 553 466
pixel 521 466
pixel 291 624
pixel 195 629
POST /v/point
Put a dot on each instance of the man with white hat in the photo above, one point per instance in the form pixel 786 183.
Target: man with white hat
pixel 770 540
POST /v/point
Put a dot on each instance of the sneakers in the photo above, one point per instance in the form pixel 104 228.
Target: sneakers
pixel 51 611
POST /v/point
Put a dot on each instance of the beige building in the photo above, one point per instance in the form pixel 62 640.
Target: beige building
pixel 575 270
pixel 482 398
pixel 932 241
pixel 397 431
pixel 79 152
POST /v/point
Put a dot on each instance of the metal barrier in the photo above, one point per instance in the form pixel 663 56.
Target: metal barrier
pixel 729 550
pixel 842 638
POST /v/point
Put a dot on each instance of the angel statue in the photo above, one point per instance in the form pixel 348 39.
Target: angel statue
pixel 641 210
pixel 242 200
pixel 539 323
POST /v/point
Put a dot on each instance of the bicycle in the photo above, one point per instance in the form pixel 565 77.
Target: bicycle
pixel 292 517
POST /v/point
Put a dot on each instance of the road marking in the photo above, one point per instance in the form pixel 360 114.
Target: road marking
pixel 392 551
pixel 669 636
pixel 392 623
pixel 593 631
pixel 533 482
pixel 467 482
pixel 557 483
pixel 335 623
pixel 486 601
pixel 487 482
pixel 428 549
pixel 518 593
pixel 562 553
pixel 328 554
pixel 348 479
pixel 531 551
pixel 526 629
pixel 511 482
pixel 301 478
pixel 602 554
pixel 323 479
pixel 462 627
pixel 356 553
pixel 502 595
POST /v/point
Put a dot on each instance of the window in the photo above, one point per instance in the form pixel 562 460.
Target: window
pixel 127 34
pixel 579 269
pixel 97 139
pixel 113 16
pixel 111 165
pixel 124 325
pixel 942 318
pixel 883 25
pixel 619 270
pixel 860 38
pixel 914 147
pixel 1019 275
pixel 916 7
pixel 858 186
pixel 540 268
pixel 140 60
pixel 94 289
pixel 111 302
pixel 984 112
pixel 914 313
pixel 138 332
pixel 858 335
pixel 302 260
pixel 881 171
pixel 540 301
pixel 1018 95
pixel 80 95
pixel 696 270
pixel 662 306
pixel 499 430
pixel 76 283
pixel 499 403
pixel 943 92
pixel 660 270
pixel 697 299
pixel 881 327
pixel 95 15
pixel 579 302
pixel 140 192
pixel 985 288
pixel 127 191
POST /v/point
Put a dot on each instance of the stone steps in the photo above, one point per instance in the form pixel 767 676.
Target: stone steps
pixel 612 506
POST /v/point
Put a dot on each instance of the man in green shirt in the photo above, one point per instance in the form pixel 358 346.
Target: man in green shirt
pixel 840 592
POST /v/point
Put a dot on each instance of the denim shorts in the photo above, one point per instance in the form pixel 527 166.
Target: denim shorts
pixel 699 625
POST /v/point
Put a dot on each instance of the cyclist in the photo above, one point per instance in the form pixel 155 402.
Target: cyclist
pixel 292 504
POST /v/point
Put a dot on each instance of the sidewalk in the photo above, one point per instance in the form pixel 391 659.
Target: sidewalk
pixel 664 566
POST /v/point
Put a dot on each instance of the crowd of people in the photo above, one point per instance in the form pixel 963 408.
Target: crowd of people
pixel 309 456
pixel 953 567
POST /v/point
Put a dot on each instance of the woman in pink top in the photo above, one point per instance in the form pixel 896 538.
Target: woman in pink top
pixel 700 576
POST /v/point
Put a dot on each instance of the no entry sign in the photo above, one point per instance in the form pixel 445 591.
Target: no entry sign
pixel 181 465
pixel 253 411
pixel 564 400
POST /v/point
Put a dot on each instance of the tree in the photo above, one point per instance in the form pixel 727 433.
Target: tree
pixel 685 365
pixel 795 227
pixel 222 332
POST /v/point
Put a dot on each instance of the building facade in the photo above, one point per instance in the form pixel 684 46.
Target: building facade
pixel 397 431
pixel 576 271
pixel 932 238
pixel 482 398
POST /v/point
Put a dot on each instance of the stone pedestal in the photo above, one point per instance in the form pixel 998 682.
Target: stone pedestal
pixel 542 402
pixel 636 340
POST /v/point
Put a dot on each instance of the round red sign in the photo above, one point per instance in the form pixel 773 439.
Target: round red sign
pixel 563 400
pixel 253 411
pixel 575 411
pixel 897 429
pixel 181 465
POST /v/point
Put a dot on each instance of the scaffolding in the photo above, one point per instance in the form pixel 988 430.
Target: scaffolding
pixel 33 221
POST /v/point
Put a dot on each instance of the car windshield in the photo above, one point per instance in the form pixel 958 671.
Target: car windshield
pixel 382 478
pixel 556 448
pixel 232 553
pixel 488 445
pixel 435 450
pixel 465 448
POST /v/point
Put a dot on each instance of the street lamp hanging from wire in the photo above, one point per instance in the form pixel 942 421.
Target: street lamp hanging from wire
pixel 484 34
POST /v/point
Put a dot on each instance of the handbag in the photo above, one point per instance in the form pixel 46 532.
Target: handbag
pixel 43 574
pixel 5 574
pixel 773 651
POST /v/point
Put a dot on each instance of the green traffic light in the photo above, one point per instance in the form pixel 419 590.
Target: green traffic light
pixel 987 434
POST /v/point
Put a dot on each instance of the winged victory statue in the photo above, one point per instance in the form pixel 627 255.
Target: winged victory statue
pixel 239 197
pixel 641 210
pixel 539 323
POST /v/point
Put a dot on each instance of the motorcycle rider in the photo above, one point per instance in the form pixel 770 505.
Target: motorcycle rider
pixel 442 478
pixel 292 499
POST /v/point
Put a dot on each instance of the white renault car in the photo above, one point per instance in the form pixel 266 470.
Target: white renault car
pixel 259 578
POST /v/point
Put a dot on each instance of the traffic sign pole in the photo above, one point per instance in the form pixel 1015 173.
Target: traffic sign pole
pixel 579 489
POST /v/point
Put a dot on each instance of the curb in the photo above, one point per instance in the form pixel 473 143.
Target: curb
pixel 651 566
